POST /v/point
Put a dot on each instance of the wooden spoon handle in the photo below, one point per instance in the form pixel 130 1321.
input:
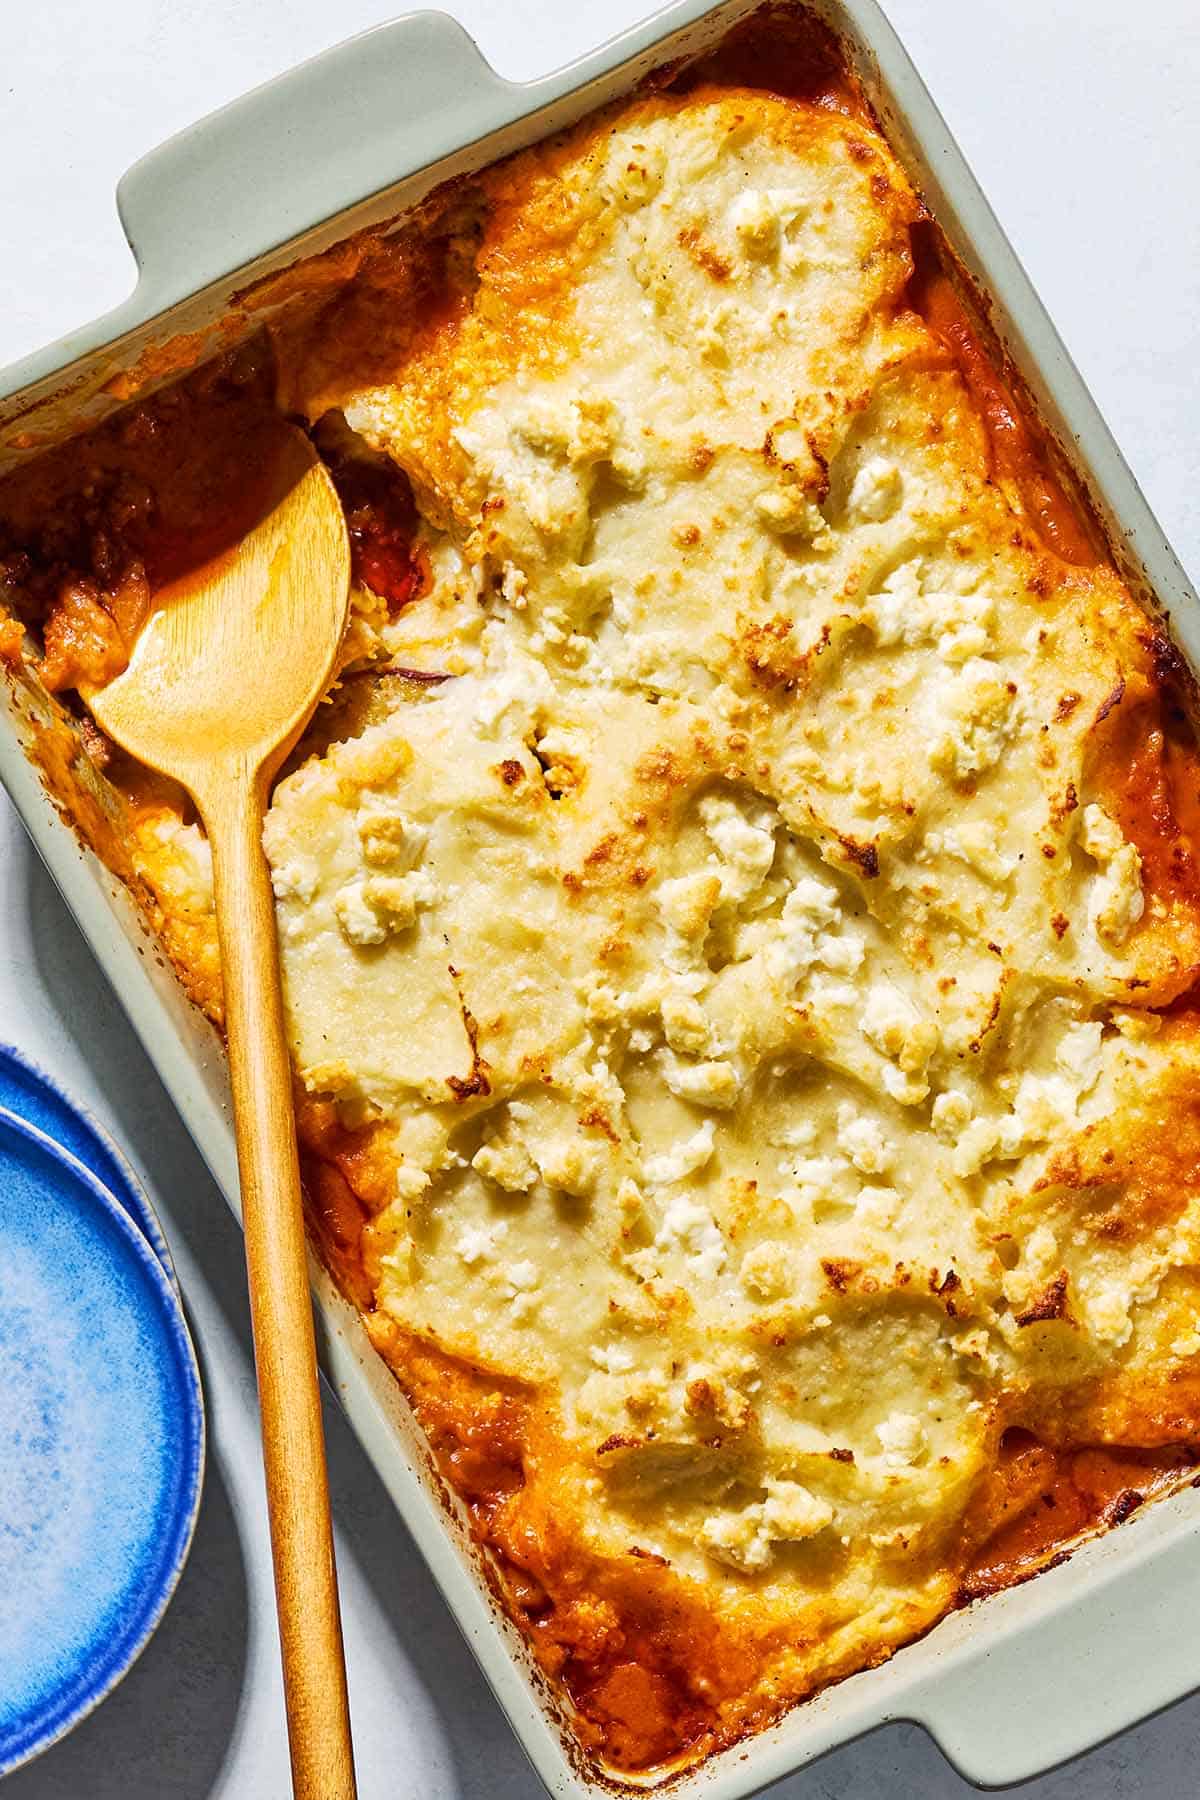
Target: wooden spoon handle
pixel 310 1630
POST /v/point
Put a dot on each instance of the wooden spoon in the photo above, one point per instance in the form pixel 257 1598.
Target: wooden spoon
pixel 223 679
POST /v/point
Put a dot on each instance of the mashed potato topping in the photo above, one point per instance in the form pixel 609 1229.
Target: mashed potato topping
pixel 751 924
pixel 737 951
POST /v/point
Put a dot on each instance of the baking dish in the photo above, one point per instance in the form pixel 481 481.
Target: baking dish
pixel 102 380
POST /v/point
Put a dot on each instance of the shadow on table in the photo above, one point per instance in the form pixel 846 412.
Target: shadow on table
pixel 1152 1761
pixel 185 1723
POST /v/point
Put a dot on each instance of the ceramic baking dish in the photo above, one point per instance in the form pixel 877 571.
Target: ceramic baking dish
pixel 1017 1682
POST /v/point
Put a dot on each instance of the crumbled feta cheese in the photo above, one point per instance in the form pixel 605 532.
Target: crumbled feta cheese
pixel 737 1538
pixel 903 1440
pixel 977 1142
pixel 761 217
pixel 816 1171
pixel 635 181
pixel 296 880
pixel 810 935
pixel 1078 1055
pixel 688 902
pixel 1106 1310
pixel 797 1135
pixel 978 713
pixel 893 1025
pixel 1044 1103
pixel 766 1271
pixel 411 1183
pixel 875 491
pixel 370 911
pixel 386 835
pixel 360 923
pixel 977 1345
pixel 571 1167
pixel 791 1512
pixel 1041 1105
pixel 704 1084
pixel 521 1282
pixel 966 632
pixel 614 1359
pixel 977 843
pixel 507 1162
pixel 825 997
pixel 477 1243
pixel 952 1113
pixel 746 849
pixel 519 687
pixel 905 612
pixel 755 221
pixel 862 1140
pixel 682 1159
pixel 788 510
pixel 1099 835
pixel 878 1207
pixel 684 1024
pixel 1117 902
pixel 745 1539
pixel 1041 1249
pixel 691 1228
pixel 888 1018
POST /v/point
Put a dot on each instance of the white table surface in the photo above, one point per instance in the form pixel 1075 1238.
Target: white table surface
pixel 1085 133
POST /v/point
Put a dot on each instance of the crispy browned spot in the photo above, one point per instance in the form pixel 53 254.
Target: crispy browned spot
pixel 705 256
pixel 1051 1303
pixel 864 856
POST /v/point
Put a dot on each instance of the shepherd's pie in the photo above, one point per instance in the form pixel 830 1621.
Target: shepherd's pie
pixel 738 909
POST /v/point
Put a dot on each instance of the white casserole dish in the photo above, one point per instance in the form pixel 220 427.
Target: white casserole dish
pixel 1013 1684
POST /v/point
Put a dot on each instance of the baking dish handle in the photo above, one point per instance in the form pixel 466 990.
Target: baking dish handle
pixel 303 148
pixel 1123 1648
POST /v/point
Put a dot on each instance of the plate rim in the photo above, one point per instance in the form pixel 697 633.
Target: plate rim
pixel 151 1225
pixel 191 1391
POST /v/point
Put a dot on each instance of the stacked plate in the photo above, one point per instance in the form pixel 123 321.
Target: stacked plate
pixel 101 1415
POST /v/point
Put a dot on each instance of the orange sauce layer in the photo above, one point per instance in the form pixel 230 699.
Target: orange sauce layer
pixel 787 52
pixel 343 1184
pixel 1148 761
pixel 651 1677
pixel 1019 454
pixel 1039 1499
pixel 642 1661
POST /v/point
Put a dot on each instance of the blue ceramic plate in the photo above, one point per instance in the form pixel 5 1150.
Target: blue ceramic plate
pixel 33 1095
pixel 101 1441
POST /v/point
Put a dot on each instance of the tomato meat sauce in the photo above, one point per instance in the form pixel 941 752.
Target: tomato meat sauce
pixel 1042 1500
pixel 88 543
